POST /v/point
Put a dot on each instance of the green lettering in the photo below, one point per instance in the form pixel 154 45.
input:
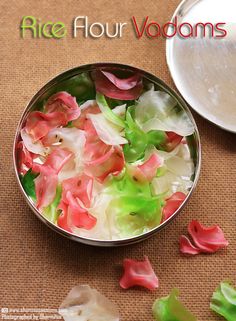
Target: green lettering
pixel 31 26
pixel 45 33
pixel 58 30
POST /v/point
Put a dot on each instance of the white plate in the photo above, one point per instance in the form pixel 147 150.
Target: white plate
pixel 204 69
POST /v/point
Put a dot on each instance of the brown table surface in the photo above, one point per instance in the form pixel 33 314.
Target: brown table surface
pixel 39 267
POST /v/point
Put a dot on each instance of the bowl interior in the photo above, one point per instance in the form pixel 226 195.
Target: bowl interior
pixel 76 83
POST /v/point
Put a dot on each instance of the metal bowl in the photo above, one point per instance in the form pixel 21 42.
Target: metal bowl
pixel 193 142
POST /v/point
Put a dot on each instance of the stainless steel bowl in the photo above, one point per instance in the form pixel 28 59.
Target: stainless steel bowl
pixel 193 141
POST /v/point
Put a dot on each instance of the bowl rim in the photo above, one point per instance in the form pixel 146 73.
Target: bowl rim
pixel 73 72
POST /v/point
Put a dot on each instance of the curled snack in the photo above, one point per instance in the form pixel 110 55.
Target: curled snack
pixel 76 197
pixel 138 273
pixel 114 87
pixel 84 303
pixel 46 182
pixel 160 114
pixel 25 158
pixel 205 239
pixel 63 102
pixel 172 204
pixel 38 124
pixel 187 247
pixel 171 309
pixel 223 301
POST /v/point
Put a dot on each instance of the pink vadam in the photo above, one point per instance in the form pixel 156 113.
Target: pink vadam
pixel 46 182
pixel 80 187
pixel 76 194
pixel 172 204
pixel 123 84
pixel 90 109
pixel 113 87
pixel 147 170
pixel 205 239
pixel 150 166
pixel 60 109
pixel 25 158
pixel 63 102
pixel 39 124
pixel 101 159
pixel 76 214
pixel 45 186
pixel 187 247
pixel 139 273
pixel 173 140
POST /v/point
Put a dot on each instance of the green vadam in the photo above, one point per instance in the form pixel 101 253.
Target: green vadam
pixel 27 182
pixel 134 204
pixel 223 301
pixel 107 112
pixel 171 309
pixel 51 212
pixel 139 140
